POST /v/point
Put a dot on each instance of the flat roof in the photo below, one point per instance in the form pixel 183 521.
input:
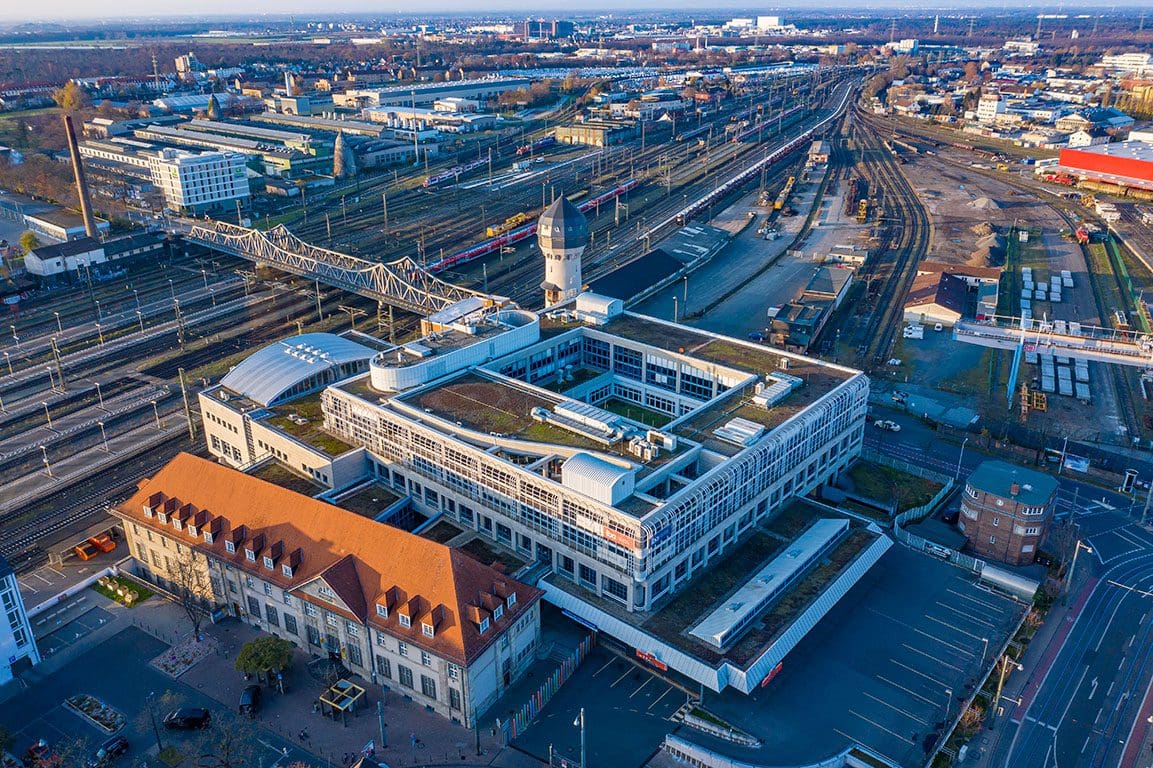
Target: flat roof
pixel 768 583
pixel 999 477
pixel 1133 150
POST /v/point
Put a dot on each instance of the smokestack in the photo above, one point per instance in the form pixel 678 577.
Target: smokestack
pixel 81 183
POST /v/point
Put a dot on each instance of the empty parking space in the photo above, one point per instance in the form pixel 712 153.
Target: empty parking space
pixel 1115 542
pixel 895 659
pixel 70 630
pixel 627 714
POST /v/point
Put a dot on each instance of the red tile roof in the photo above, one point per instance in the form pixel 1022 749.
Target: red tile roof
pixel 362 561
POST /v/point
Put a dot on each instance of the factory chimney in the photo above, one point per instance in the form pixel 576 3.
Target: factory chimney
pixel 81 183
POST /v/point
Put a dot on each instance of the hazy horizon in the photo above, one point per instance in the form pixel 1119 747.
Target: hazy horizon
pixel 55 11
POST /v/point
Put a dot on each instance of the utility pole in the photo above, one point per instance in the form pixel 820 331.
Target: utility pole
pixel 380 722
pixel 187 407
pixel 59 366
pixel 384 199
pixel 319 314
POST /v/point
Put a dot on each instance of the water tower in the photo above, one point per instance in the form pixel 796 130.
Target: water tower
pixel 563 233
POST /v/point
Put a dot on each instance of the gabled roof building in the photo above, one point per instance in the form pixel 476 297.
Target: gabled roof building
pixel 439 625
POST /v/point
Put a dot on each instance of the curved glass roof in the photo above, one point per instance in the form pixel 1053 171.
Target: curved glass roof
pixel 269 373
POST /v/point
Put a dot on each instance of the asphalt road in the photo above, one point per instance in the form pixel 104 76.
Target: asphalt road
pixel 1085 710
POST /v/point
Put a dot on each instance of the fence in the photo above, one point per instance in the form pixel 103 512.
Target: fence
pixel 920 513
pixel 515 725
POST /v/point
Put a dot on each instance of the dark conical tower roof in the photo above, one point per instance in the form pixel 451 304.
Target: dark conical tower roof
pixel 562 226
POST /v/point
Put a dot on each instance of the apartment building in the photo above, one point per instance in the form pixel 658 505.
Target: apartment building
pixel 428 621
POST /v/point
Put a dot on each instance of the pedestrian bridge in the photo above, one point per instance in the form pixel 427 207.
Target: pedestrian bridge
pixel 402 283
pixel 1103 345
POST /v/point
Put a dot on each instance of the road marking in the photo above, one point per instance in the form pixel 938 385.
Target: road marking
pixel 950 626
pixel 1105 631
pixel 668 690
pixel 1136 542
pixel 954 646
pixel 964 596
pixel 622 677
pixel 909 715
pixel 606 666
pixel 1092 688
pixel 968 616
pixel 906 690
pixel 880 727
pixel 641 686
pixel 930 678
pixel 931 657
pixel 1069 703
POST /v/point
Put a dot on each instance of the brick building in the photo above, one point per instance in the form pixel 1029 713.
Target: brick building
pixel 407 612
pixel 1006 511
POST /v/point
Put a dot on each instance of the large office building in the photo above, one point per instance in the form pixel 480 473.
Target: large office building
pixel 624 455
pixel 431 622
pixel 196 183
pixel 17 644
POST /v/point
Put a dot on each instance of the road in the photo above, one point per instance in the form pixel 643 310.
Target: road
pixel 1087 698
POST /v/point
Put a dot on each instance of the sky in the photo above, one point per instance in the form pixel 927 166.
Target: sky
pixel 53 10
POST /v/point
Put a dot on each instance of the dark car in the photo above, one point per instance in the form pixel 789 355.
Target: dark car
pixel 756 336
pixel 187 719
pixel 250 700
pixel 109 751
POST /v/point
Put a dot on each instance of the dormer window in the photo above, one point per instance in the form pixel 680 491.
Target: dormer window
pixel 286 570
pixel 148 511
pixel 497 613
pixel 250 555
pixel 483 625
pixel 511 600
pixel 405 621
pixel 230 547
pixel 269 563
pixel 382 611
pixel 208 537
pixel 192 530
pixel 176 523
pixel 162 517
pixel 427 629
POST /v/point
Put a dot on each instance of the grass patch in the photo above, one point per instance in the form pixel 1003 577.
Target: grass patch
pixel 442 532
pixel 111 583
pixel 171 756
pixel 646 416
pixel 370 501
pixel 710 718
pixel 276 473
pixel 887 484
pixel 490 555
pixel 703 593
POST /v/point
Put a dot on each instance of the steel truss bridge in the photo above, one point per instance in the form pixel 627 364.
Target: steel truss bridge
pixel 402 283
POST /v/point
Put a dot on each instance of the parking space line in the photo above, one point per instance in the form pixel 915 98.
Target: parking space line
pixel 931 657
pixel 880 727
pixel 24 583
pixel 964 596
pixel 58 573
pixel 906 690
pixel 950 626
pixel 606 666
pixel 954 646
pixel 968 616
pixel 668 690
pixel 930 678
pixel 909 715
pixel 641 687
pixel 622 677
pixel 1131 540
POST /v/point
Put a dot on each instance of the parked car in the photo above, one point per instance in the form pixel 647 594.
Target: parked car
pixel 187 719
pixel 108 751
pixel 756 336
pixel 888 426
pixel 250 700
pixel 40 755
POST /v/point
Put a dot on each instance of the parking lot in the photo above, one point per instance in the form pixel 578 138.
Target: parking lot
pixel 895 659
pixel 1112 536
pixel 627 713
pixel 71 628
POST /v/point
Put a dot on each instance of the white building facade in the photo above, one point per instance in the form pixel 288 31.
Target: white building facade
pixel 194 183
pixel 18 650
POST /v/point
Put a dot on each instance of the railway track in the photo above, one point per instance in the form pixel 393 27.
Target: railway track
pixel 904 240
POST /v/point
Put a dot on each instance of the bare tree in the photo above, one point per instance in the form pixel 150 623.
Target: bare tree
pixel 192 587
pixel 231 742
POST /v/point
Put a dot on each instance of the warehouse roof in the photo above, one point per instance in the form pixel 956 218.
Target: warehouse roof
pixel 294 366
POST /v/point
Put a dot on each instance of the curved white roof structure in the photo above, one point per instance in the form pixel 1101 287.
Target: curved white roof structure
pixel 296 366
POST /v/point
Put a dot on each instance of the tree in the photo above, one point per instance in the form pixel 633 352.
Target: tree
pixel 264 655
pixel 971 720
pixel 231 742
pixel 193 590
pixel 29 241
pixel 213 111
pixel 71 98
pixel 6 739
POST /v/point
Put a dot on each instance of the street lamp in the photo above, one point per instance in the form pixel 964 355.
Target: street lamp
pixel 47 413
pixel 156 413
pixel 59 327
pixel 14 336
pixel 98 315
pixel 984 650
pixel 580 721
pixel 140 319
pixel 1073 566
pixel 1005 661
pixel 103 437
pixel 8 360
pixel 99 396
pixel 1064 450
pixel 152 717
pixel 960 456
